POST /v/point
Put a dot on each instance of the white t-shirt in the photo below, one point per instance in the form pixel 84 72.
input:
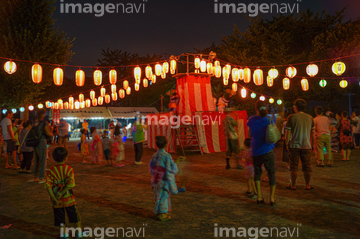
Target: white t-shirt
pixel 4 125
pixel 322 125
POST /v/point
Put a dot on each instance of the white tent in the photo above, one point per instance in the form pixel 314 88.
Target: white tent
pixel 131 112
pixel 87 113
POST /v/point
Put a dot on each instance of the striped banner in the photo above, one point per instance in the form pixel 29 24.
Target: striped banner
pixel 158 124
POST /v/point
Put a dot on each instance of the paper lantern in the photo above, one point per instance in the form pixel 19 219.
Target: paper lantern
pixel 113 76
pixel 107 99
pixel 88 103
pixel 217 63
pixel 247 75
pixel 262 98
pixel 269 81
pixel 10 67
pixel 225 73
pixel 77 105
pixel 271 100
pixel 40 106
pixel 225 81
pixel 138 81
pixel 148 72
pixel 253 95
pixel 158 69
pixel 203 67
pixel 113 88
pixel 163 75
pixel 97 77
pixel 102 92
pixel 128 91
pixel 305 84
pixel 286 83
pixel 235 74
pixel 323 83
pixel 100 100
pixel 273 73
pixel 338 68
pixel 234 87
pixel 343 83
pixel 114 96
pixel 81 98
pixel 80 78
pixel 153 80
pixel 61 105
pixel 82 105
pixel 312 70
pixel 92 95
pixel 71 100
pixel 36 73
pixel 165 68
pixel 197 62
pixel 71 106
pixel 137 87
pixel 209 68
pixel 14 110
pixel 243 93
pixel 291 72
pixel 279 102
pixel 58 76
pixel 241 74
pixel 217 71
pixel 137 73
pixel 56 105
pixel 122 94
pixel 258 77
pixel 66 105
pixel 31 107
pixel 22 109
pixel 173 64
pixel 94 102
pixel 145 82
pixel 47 104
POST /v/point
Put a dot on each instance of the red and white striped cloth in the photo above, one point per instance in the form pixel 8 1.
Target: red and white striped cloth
pixel 158 125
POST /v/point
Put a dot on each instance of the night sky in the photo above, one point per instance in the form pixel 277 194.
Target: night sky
pixel 167 26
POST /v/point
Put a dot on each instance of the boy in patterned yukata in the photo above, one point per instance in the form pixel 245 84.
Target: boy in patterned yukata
pixel 163 170
pixel 59 183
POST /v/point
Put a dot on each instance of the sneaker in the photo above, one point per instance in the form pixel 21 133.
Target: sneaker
pixel 138 163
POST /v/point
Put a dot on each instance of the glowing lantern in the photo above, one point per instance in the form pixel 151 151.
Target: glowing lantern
pixel 258 77
pixel 58 76
pixel 71 100
pixel 92 95
pixel 61 105
pixel 153 80
pixel 273 73
pixel 77 105
pixel 47 104
pixel 94 102
pixel 14 111
pixel 80 78
pixel 10 67
pixel 66 105
pixel 128 91
pixel 197 62
pixel 97 77
pixel 102 92
pixel 148 72
pixel 323 83
pixel 247 75
pixel 163 75
pixel 158 69
pixel 82 105
pixel 209 68
pixel 235 74
pixel 36 73
pixel 253 95
pixel 291 72
pixel 226 73
pixel 241 74
pixel 138 81
pixel 81 97
pixel 122 94
pixel 286 83
pixel 305 84
pixel 40 106
pixel 107 99
pixel 338 68
pixel 145 82
pixel 71 107
pixel 88 103
pixel 312 70
pixel 114 96
pixel 343 83
pixel 22 109
pixel 165 67
pixel 113 88
pixel 137 73
pixel 217 63
pixel 225 81
pixel 279 102
pixel 269 81
pixel 262 98
pixel 203 66
pixel 271 100
pixel 56 106
pixel 113 77
pixel 173 66
pixel 217 71
pixel 234 87
pixel 100 100
pixel 243 93
pixel 137 87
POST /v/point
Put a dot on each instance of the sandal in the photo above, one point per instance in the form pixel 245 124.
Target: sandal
pixel 311 188
pixel 163 217
pixel 290 187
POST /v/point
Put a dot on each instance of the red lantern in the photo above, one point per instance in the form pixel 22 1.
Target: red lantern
pixel 36 73
pixel 81 98
pixel 122 93
pixel 305 84
pixel 145 82
pixel 58 76
pixel 88 103
pixel 94 102
pixel 66 105
pixel 258 77
pixel 247 75
pixel 107 99
pixel 71 100
pixel 291 72
pixel 80 78
pixel 100 100
pixel 92 95
pixel 113 77
pixel 97 77
pixel 10 67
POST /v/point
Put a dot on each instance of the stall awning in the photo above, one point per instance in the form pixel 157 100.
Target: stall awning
pixel 131 112
pixel 88 113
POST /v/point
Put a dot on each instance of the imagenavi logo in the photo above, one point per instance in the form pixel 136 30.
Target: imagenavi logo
pixel 254 9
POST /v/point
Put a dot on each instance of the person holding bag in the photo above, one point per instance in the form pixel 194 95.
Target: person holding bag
pixel 27 152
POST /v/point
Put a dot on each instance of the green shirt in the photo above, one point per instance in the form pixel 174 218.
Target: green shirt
pixel 300 125
pixel 138 133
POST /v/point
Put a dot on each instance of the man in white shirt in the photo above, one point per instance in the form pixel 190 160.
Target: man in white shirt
pixel 9 138
pixel 323 138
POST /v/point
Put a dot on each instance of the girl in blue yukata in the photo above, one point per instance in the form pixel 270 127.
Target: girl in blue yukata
pixel 163 170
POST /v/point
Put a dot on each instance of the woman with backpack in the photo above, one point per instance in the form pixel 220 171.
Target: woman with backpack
pixel 345 135
pixel 27 152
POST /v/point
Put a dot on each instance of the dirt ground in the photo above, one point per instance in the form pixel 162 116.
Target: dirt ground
pixel 215 197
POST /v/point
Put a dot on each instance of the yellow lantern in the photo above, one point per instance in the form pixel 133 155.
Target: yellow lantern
pixel 145 82
pixel 217 71
pixel 137 73
pixel 82 105
pixel 40 106
pixel 312 70
pixel 197 62
pixel 241 74
pixel 217 63
pixel 100 100
pixel 81 98
pixel 71 100
pixel 122 94
pixel 338 68
pixel 10 67
pixel 209 68
pixel 163 75
pixel 271 100
pixel 97 77
pixel 258 77
pixel 286 83
pixel 138 81
pixel 77 105
pixel 234 87
pixel 228 69
pixel 80 78
pixel 153 80
pixel 165 67
pixel 305 84
pixel 158 69
pixel 113 88
pixel 36 73
pixel 235 74
pixel 88 103
pixel 203 66
pixel 31 107
pixel 225 73
pixel 247 75
pixel 113 77
pixel 225 81
pixel 60 101
pixel 148 72
pixel 273 73
pixel 343 83
pixel 107 99
pixel 114 96
pixel 173 66
pixel 243 93
pixel 58 76
pixel 102 92
pixel 66 105
pixel 61 105
pixel 269 81
pixel 71 107
pixel 128 90
pixel 94 102
pixel 92 95
pixel 291 72
pixel 137 87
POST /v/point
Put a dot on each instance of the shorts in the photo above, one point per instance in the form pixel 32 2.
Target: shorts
pixel 106 154
pixel 232 146
pixel 304 155
pixel 11 145
pixel 72 213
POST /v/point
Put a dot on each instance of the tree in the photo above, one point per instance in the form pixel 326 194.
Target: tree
pixel 27 33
